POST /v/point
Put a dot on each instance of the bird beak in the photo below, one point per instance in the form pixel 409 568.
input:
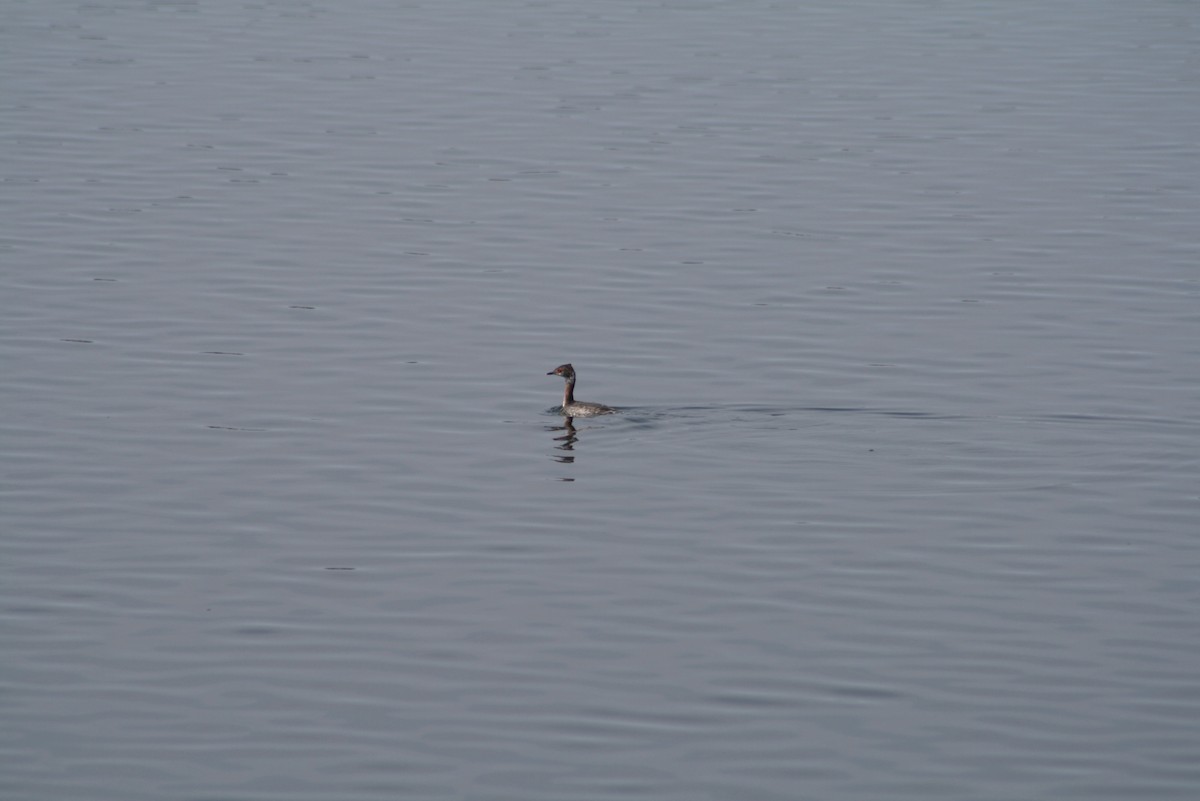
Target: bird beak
pixel 550 373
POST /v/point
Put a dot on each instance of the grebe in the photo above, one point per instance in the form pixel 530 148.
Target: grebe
pixel 572 407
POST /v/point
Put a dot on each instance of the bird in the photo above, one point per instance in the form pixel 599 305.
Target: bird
pixel 572 407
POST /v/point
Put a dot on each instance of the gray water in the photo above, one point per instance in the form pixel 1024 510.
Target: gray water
pixel 901 301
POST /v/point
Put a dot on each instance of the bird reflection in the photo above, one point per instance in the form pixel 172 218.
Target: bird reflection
pixel 569 436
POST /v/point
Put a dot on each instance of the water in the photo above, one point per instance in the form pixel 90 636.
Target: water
pixel 900 300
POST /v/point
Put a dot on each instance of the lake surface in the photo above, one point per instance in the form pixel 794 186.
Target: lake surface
pixel 900 300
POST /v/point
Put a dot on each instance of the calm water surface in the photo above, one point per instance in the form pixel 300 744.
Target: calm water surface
pixel 900 299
